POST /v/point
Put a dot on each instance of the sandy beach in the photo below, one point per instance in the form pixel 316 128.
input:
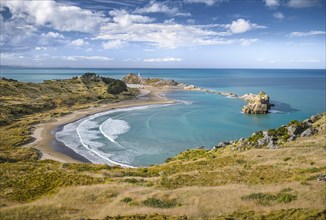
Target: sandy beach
pixel 44 139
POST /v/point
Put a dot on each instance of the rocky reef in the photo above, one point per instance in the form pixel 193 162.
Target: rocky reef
pixel 256 104
pixel 274 138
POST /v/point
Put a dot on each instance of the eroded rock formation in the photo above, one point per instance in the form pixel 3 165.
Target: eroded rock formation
pixel 257 104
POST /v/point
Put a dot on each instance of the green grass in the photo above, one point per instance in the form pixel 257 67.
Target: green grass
pixel 28 181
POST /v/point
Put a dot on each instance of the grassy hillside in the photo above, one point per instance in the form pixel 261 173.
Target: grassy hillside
pixel 25 104
pixel 242 180
pixel 221 184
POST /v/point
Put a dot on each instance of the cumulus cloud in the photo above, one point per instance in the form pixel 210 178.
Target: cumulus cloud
pixel 16 35
pixel 114 44
pixel 278 15
pixel 136 28
pixel 160 7
pixel 40 48
pixel 59 16
pixel 92 58
pixel 303 3
pixel 272 3
pixel 207 2
pixel 305 34
pixel 78 43
pixel 123 18
pixel 241 26
pixel 165 59
pixel 52 35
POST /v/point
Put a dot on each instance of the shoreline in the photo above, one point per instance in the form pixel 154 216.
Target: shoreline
pixel 50 148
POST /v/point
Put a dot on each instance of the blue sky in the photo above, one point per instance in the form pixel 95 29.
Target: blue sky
pixel 163 34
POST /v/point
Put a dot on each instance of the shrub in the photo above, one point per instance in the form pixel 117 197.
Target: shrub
pixel 126 200
pixel 284 196
pixel 116 87
pixel 163 204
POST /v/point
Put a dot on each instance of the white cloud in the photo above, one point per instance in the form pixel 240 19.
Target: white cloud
pixel 123 18
pixel 52 35
pixel 272 3
pixel 241 26
pixel 92 58
pixel 40 48
pixel 59 16
pixel 247 42
pixel 305 34
pixel 78 43
pixel 207 2
pixel 16 35
pixel 114 44
pixel 166 59
pixel 165 35
pixel 278 15
pixel 304 3
pixel 160 7
pixel 305 61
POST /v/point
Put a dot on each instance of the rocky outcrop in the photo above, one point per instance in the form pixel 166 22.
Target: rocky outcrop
pixel 134 79
pixel 257 104
pixel 273 138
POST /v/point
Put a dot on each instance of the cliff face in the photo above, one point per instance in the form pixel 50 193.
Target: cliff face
pixel 134 79
pixel 257 104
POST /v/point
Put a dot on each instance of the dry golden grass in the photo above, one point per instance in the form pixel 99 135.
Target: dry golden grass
pixel 205 184
pixel 99 201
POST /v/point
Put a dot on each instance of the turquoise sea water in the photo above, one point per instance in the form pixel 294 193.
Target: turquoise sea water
pixel 146 135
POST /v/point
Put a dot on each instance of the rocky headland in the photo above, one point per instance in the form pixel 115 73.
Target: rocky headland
pixel 275 138
pixel 256 103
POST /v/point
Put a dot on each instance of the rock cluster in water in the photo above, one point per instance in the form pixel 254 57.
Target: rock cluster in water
pixel 273 138
pixel 257 104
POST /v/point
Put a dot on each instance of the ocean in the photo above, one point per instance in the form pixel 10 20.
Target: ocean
pixel 146 135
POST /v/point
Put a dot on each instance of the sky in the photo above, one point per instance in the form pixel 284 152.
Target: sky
pixel 163 34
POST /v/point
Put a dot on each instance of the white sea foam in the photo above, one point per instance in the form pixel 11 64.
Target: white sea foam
pixel 112 128
pixel 82 136
pixel 275 111
pixel 184 102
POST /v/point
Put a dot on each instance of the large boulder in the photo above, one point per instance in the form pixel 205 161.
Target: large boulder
pixel 257 104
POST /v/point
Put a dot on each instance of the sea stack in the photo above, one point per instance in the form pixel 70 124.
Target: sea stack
pixel 257 104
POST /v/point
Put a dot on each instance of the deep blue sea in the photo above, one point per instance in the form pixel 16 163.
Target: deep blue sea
pixel 146 135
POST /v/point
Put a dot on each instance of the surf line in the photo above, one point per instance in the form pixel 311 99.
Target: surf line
pixel 98 154
pixel 107 136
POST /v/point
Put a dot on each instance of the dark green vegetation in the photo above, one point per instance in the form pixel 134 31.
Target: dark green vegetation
pixel 284 196
pixel 162 204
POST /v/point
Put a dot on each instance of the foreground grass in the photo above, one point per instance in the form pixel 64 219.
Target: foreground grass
pixel 220 183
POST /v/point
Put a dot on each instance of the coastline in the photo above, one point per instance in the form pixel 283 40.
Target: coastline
pixel 52 149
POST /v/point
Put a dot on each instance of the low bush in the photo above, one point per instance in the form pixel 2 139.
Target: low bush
pixel 158 203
